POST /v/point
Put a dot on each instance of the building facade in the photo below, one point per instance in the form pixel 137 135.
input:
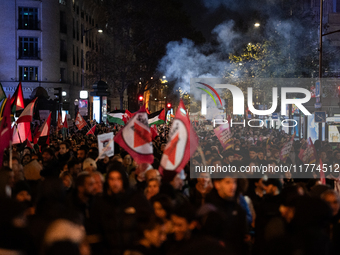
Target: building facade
pixel 45 43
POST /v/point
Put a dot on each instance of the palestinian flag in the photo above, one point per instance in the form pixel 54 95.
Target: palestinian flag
pixel 2 93
pixel 116 117
pixel 17 101
pixel 44 131
pixel 157 118
pixel 5 130
pixel 3 107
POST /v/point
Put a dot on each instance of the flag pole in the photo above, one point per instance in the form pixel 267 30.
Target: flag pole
pixel 18 132
pixel 89 129
pixel 10 154
pixel 201 154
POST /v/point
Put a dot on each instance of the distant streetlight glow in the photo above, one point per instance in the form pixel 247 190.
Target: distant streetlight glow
pixel 256 24
pixel 100 31
pixel 83 94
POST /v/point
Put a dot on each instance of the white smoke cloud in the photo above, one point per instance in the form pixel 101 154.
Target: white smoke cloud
pixel 184 60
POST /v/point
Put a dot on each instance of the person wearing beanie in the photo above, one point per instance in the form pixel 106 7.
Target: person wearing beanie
pixel 89 165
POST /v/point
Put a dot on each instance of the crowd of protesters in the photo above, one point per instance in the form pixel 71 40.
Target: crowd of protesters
pixel 59 199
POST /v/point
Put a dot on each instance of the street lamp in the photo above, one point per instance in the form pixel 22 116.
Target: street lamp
pixel 83 48
pixel 256 24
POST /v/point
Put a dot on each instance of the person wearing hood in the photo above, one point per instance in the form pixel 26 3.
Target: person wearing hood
pixel 64 153
pixel 114 215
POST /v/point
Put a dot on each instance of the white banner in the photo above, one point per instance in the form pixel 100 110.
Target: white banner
pixel 105 145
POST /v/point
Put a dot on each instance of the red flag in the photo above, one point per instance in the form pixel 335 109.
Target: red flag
pixel 80 122
pixel 36 135
pixel 17 101
pixel 21 132
pixel 28 144
pixel 27 114
pixel 182 143
pixel 136 138
pixel 91 131
pixel 5 129
pixel 65 123
pixel 60 122
pixel 44 130
pixel 322 174
pixel 229 119
pixel 154 131
pixel 127 116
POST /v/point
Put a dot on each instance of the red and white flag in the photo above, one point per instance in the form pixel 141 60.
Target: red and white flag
pixel 5 129
pixel 27 114
pixel 92 130
pixel 127 116
pixel 136 138
pixel 154 132
pixel 80 122
pixel 182 143
pixel 44 130
pixel 60 122
pixel 21 132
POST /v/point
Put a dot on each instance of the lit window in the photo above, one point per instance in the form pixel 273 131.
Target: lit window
pixel 28 73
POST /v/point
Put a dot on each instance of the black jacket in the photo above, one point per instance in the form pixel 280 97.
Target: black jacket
pixel 52 169
pixel 114 219
pixel 234 220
